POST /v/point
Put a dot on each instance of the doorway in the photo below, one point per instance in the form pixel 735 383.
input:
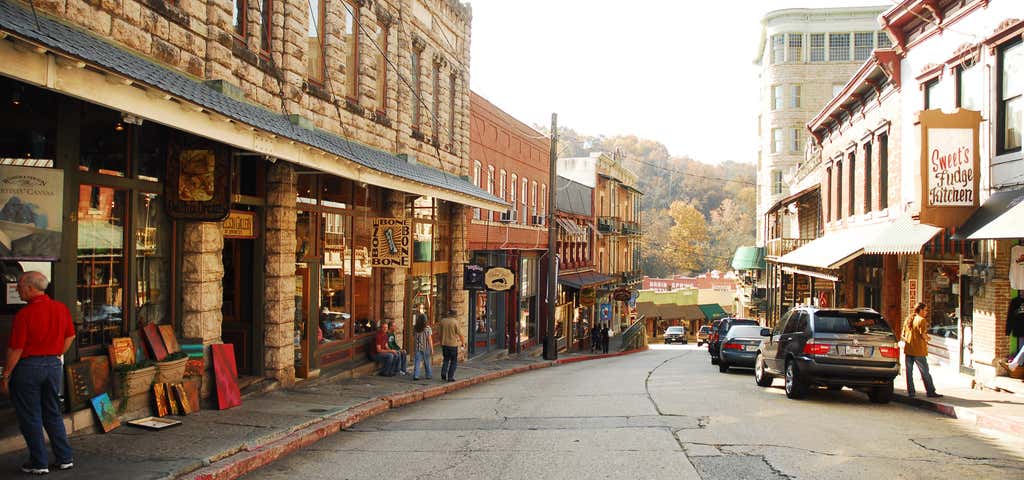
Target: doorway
pixel 487 327
pixel 240 303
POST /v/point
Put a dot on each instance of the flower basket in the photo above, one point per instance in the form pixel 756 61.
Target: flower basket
pixel 171 371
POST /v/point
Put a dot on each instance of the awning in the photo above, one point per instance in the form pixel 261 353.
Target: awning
pixel 585 279
pixel 834 249
pixel 902 236
pixel 748 258
pixel 570 226
pixel 136 85
pixel 995 207
pixel 811 273
pixel 1008 225
pixel 712 311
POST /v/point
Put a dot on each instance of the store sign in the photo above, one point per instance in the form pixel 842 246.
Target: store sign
pixel 605 312
pixel 621 295
pixel 240 224
pixel 198 183
pixel 473 277
pixel 912 293
pixel 499 279
pixel 390 242
pixel 31 206
pixel 950 166
pixel 588 296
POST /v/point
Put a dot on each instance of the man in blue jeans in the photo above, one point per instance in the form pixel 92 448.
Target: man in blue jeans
pixel 451 340
pixel 42 331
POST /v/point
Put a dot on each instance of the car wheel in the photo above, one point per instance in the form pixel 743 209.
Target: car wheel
pixel 761 377
pixel 795 386
pixel 881 394
pixel 684 342
pixel 723 366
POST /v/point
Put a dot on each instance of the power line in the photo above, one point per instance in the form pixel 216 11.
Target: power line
pixel 687 174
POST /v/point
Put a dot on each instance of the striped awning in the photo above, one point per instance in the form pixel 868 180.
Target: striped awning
pixel 570 226
pixel 834 249
pixel 902 236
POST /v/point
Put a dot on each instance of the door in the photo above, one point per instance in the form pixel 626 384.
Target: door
pixel 771 344
pixel 966 326
pixel 792 338
pixel 238 306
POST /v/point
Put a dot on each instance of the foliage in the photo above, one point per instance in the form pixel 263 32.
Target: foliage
pixel 175 356
pixel 688 238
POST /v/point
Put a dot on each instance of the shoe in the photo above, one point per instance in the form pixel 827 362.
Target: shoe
pixel 934 395
pixel 428 378
pixel 68 465
pixel 34 470
pixel 911 394
pixel 403 372
pixel 415 378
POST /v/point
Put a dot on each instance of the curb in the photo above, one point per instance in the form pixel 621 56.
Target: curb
pixel 251 458
pixel 969 415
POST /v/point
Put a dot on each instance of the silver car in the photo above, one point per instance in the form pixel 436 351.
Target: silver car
pixel 739 347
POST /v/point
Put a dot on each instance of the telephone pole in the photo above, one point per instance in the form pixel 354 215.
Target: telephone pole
pixel 550 342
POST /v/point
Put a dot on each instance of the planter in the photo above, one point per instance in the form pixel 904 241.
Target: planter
pixel 171 371
pixel 134 382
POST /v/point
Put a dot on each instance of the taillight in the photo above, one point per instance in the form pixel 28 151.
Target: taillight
pixel 817 348
pixel 889 352
pixel 732 346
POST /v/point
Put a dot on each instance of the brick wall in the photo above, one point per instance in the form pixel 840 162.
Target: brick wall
pixel 990 341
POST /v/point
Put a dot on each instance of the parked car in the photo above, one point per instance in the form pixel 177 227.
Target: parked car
pixel 703 334
pixel 834 348
pixel 739 347
pixel 675 335
pixel 719 330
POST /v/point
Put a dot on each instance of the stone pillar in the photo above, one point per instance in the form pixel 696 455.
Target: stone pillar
pixel 393 279
pixel 460 257
pixel 279 275
pixel 202 289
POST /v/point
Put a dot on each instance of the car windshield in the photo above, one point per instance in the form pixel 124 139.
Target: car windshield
pixel 744 331
pixel 674 330
pixel 705 329
pixel 850 322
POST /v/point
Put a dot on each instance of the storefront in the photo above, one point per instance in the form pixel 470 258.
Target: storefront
pixel 489 310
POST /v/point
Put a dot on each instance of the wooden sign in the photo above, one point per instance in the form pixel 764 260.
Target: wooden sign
pixel 499 279
pixel 950 166
pixel 198 180
pixel 226 375
pixel 621 294
pixel 240 224
pixel 588 296
pixel 390 243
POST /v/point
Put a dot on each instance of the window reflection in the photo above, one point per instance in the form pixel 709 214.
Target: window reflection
pixel 152 259
pixel 100 300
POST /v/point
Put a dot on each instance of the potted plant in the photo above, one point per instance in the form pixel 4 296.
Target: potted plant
pixel 134 381
pixel 172 368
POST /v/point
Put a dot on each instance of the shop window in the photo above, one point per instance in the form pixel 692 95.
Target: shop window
pixel 101 270
pixel 28 125
pixel 151 155
pixel 1010 98
pixel 152 259
pixel 334 280
pixel 104 142
pixel 942 293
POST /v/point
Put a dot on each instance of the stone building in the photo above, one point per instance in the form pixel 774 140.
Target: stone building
pixel 256 172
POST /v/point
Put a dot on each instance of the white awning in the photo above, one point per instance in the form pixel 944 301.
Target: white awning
pixel 1008 225
pixel 834 249
pixel 811 273
pixel 902 236
pixel 570 226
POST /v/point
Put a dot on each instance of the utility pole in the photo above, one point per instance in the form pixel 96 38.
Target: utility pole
pixel 550 342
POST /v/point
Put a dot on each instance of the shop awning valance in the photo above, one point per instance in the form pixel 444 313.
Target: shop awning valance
pixel 811 273
pixel 748 258
pixel 995 207
pixel 834 249
pixel 569 226
pixel 712 311
pixel 135 85
pixel 585 279
pixel 902 236
pixel 1008 225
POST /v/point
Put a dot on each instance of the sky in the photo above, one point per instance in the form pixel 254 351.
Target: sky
pixel 680 72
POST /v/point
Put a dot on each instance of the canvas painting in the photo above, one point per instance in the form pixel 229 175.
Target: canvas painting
pixel 105 412
pixel 183 400
pixel 226 375
pixel 194 367
pixel 160 397
pixel 172 400
pixel 80 389
pixel 155 341
pixel 100 373
pixel 170 342
pixel 122 351
pixel 192 392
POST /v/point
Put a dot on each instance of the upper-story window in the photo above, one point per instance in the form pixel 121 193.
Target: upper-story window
pixel 512 186
pixel 933 94
pixel 266 32
pixel 837 89
pixel 968 87
pixel 415 58
pixel 883 40
pixel 852 204
pixel 839 189
pixel 776 182
pixel 776 140
pixel 383 33
pixel 778 48
pixel 543 199
pixel 863 44
pixel 502 181
pixel 839 47
pixel 1011 97
pixel 795 47
pixel 883 171
pixel 451 109
pixel 525 197
pixel 794 140
pixel 350 35
pixel 828 194
pixel 239 19
pixel 435 95
pixel 776 97
pixel 868 179
pixel 477 174
pixel 533 198
pixel 817 52
pixel 315 66
pixel 794 96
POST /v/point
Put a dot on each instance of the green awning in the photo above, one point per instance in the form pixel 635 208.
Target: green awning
pixel 712 311
pixel 748 258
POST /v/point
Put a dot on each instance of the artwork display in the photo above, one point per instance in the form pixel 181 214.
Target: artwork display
pixel 122 351
pixel 172 399
pixel 192 392
pixel 99 373
pixel 170 341
pixel 160 398
pixel 198 186
pixel 30 216
pixel 225 373
pixel 155 342
pixel 183 400
pixel 389 242
pixel 105 412
pixel 154 423
pixel 79 390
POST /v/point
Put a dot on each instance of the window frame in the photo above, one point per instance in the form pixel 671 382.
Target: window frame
pixel 353 57
pixel 868 161
pixel 776 141
pixel 794 145
pixel 1002 99
pixel 383 43
pixel 836 48
pixel 883 170
pixel 790 47
pixel 795 93
pixel 870 47
pixel 777 100
pixel 321 15
pixel 240 29
pixel 416 66
pixel 266 27
pixel 821 49
pixel 851 158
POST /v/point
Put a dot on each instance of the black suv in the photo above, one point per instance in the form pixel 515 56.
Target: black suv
pixel 833 348
pixel 718 331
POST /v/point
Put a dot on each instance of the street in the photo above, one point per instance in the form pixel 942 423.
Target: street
pixel 663 413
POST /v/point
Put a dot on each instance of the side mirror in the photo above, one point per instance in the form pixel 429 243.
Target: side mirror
pixel 766 332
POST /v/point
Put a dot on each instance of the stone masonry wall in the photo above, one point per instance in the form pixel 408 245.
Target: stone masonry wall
pixel 202 289
pixel 394 278
pixel 279 287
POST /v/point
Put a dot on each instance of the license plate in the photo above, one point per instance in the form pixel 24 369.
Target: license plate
pixel 859 351
pixel 750 348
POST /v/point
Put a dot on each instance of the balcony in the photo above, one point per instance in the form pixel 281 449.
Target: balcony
pixel 608 225
pixel 630 228
pixel 778 247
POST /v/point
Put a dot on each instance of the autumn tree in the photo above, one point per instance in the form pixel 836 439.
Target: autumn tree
pixel 731 226
pixel 688 237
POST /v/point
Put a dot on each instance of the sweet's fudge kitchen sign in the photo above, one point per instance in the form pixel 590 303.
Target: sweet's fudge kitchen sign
pixel 31 200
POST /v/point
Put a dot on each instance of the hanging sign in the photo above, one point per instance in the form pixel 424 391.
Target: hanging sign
pixel 198 181
pixel 950 166
pixel 588 296
pixel 605 312
pixel 31 202
pixel 621 295
pixel 499 279
pixel 240 224
pixel 390 242
pixel 473 277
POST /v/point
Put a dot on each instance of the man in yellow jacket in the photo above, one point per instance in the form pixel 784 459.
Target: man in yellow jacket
pixel 915 334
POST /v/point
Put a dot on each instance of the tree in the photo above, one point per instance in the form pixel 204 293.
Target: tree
pixel 731 226
pixel 654 258
pixel 688 237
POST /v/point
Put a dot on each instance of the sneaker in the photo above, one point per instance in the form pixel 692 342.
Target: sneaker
pixel 934 395
pixel 911 394
pixel 34 470
pixel 68 465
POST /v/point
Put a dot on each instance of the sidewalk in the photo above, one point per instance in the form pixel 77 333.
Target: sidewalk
pixel 215 444
pixel 986 408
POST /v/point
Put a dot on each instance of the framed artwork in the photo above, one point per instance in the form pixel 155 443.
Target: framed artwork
pixel 170 342
pixel 122 351
pixel 105 412
pixel 80 389
pixel 155 341
pixel 160 397
pixel 99 373
pixel 225 374
pixel 154 423
pixel 172 400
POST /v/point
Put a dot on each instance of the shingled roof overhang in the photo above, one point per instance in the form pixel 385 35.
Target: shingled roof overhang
pixel 69 61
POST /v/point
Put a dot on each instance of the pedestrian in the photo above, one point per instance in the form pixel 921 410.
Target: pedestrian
pixel 605 337
pixel 421 344
pixel 451 340
pixel 42 331
pixel 915 351
pixel 383 355
pixel 595 337
pixel 403 356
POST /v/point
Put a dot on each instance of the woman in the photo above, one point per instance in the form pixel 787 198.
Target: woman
pixel 421 342
pixel 915 334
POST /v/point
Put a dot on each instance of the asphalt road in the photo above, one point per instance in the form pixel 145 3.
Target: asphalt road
pixel 664 413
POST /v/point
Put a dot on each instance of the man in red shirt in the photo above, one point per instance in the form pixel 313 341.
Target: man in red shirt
pixel 384 356
pixel 42 331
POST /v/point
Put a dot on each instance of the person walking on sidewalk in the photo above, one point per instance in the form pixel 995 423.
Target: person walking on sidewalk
pixel 605 337
pixel 595 337
pixel 451 340
pixel 915 334
pixel 42 331
pixel 421 343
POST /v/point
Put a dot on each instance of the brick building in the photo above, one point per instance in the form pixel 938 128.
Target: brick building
pixel 333 136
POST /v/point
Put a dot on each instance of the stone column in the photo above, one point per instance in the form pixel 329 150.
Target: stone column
pixel 393 279
pixel 460 257
pixel 279 274
pixel 202 289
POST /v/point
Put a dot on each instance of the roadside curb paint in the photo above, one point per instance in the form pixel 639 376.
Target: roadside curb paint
pixel 969 415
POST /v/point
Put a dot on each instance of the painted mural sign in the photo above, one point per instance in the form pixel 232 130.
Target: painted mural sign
pixel 198 181
pixel 31 200
pixel 390 242
pixel 950 166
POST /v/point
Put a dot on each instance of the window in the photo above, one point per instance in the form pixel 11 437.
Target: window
pixel 543 199
pixel 533 198
pixel 868 179
pixel 502 178
pixel 817 47
pixel 477 174
pixel 451 110
pixel 852 204
pixel 837 89
pixel 931 94
pixel 839 190
pixel 315 67
pixel 839 47
pixel 776 97
pixel 239 18
pixel 383 33
pixel 778 48
pixel 794 96
pixel 776 182
pixel 776 140
pixel 490 179
pixel 435 95
pixel 794 140
pixel 863 44
pixel 1011 97
pixel 883 40
pixel 883 171
pixel 828 194
pixel 512 191
pixel 524 198
pixel 968 87
pixel 350 34
pixel 414 65
pixel 796 47
pixel 267 14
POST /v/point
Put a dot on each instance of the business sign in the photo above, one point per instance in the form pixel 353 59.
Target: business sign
pixel 950 166
pixel 499 279
pixel 473 277
pixel 390 242
pixel 621 295
pixel 31 218
pixel 588 296
pixel 912 293
pixel 198 181
pixel 240 224
pixel 605 312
